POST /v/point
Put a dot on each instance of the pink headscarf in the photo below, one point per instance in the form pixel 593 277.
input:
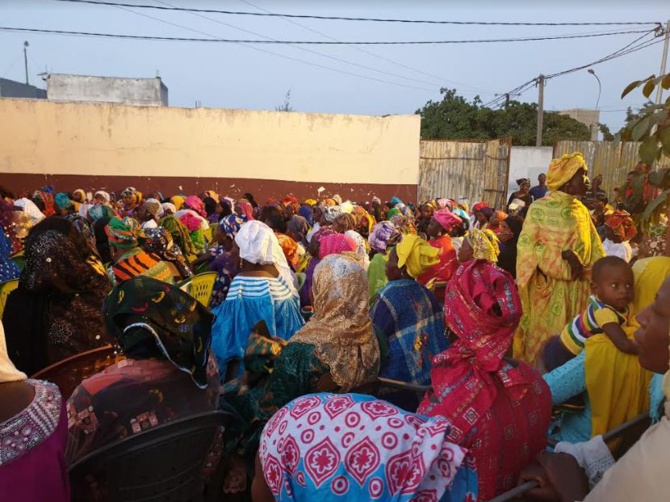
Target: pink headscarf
pixel 336 244
pixel 191 222
pixel 194 202
pixel 246 209
pixel 447 219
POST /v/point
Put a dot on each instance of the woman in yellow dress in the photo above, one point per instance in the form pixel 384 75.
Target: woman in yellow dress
pixel 557 248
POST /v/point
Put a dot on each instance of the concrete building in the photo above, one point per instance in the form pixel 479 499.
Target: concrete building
pixel 123 91
pixel 13 89
pixel 591 118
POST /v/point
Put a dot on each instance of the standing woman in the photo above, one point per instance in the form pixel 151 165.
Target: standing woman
pixel 510 230
pixel 438 232
pixel 557 248
pixel 523 193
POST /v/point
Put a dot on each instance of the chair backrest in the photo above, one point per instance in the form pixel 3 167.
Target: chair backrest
pixel 201 287
pixel 5 289
pixel 70 372
pixel 161 464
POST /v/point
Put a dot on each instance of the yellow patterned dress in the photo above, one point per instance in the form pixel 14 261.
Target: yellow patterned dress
pixel 549 296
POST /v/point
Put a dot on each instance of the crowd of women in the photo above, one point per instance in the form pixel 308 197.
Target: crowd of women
pixel 511 333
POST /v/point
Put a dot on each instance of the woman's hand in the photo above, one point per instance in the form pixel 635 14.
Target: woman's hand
pixel 576 267
pixel 560 477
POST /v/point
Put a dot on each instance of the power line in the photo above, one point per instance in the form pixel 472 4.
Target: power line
pixel 364 51
pixel 365 19
pixel 310 42
pixel 625 50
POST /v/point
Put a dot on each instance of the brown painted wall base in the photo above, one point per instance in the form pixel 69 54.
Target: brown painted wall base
pixel 261 189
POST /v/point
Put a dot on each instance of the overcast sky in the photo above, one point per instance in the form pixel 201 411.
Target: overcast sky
pixel 237 76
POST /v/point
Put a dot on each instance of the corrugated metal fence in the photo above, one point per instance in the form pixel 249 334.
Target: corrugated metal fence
pixel 476 170
pixel 604 158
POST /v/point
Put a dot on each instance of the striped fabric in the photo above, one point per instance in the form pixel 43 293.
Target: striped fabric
pixel 258 287
pixel 589 323
pixel 138 262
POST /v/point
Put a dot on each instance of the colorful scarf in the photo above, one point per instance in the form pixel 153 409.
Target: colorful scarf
pixel 230 225
pixel 195 203
pixel 124 233
pixel 397 456
pixel 144 312
pixel 335 244
pixel 291 200
pixel 246 210
pixel 47 200
pixel 484 245
pixel 191 221
pixel 622 225
pixel 416 254
pixel 483 309
pixel 447 219
pixel 63 201
pixel 563 169
pixel 341 329
pixel 384 234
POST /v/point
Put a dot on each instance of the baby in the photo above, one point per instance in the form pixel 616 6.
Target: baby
pixel 607 310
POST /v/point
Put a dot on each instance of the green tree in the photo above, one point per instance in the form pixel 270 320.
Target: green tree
pixel 457 118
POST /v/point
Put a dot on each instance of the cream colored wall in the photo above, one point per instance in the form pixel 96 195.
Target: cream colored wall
pixel 41 137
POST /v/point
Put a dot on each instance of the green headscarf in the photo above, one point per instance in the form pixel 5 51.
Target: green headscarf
pixel 124 233
pixel 145 313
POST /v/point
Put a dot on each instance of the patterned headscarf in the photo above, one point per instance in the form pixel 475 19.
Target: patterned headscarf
pixel 341 329
pixel 143 310
pixel 291 200
pixel 655 240
pixel 47 199
pixel 31 210
pixel 404 224
pixel 483 309
pixel 230 225
pixel 331 213
pixel 563 169
pixel 383 235
pixel 447 219
pixel 484 245
pixel 336 244
pixel 396 457
pixel 417 254
pixel 133 195
pixel 63 201
pixel 154 207
pixel 621 224
pixel 345 221
pixel 124 233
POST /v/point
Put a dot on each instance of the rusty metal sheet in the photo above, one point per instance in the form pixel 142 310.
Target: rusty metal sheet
pixel 476 170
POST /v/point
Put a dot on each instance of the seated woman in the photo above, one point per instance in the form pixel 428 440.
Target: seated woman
pixel 168 374
pixel 33 435
pixel 180 236
pixel 499 408
pixel 313 449
pixel 55 312
pixel 262 291
pixel 641 473
pixel 337 349
pixel 222 260
pixel 408 315
pixel 129 259
pixel 383 237
pixel 612 384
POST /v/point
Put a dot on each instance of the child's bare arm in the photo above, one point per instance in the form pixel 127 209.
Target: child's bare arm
pixel 619 338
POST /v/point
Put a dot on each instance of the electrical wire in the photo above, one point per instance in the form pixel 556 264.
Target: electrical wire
pixel 370 53
pixel 365 19
pixel 312 42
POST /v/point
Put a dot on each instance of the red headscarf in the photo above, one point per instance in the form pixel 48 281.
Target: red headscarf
pixel 478 206
pixel 622 225
pixel 291 200
pixel 447 219
pixel 483 309
pixel 336 244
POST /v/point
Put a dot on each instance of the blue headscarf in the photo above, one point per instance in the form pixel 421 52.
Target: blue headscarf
pixel 63 201
pixel 8 269
pixel 308 213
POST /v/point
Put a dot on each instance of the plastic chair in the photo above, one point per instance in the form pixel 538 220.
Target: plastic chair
pixel 70 372
pixel 161 464
pixel 200 287
pixel 5 289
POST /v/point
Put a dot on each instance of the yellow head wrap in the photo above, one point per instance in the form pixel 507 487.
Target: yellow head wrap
pixel 484 245
pixel 178 201
pixel 561 170
pixel 417 254
pixel 311 202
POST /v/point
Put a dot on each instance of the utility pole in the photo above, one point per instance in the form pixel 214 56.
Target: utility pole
pixel 506 99
pixel 25 59
pixel 540 110
pixel 664 60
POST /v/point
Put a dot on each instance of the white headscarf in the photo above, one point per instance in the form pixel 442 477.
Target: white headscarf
pixel 31 210
pixel 104 195
pixel 168 206
pixel 259 245
pixel 8 372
